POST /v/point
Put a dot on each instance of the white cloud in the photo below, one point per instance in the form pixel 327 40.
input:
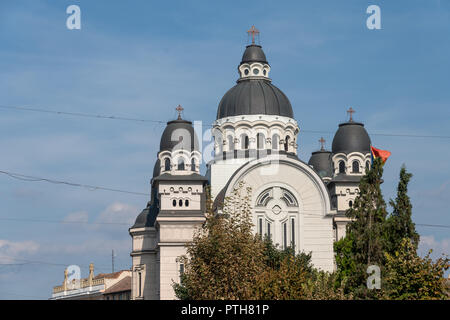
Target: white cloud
pixel 79 216
pixel 9 250
pixel 439 246
pixel 118 213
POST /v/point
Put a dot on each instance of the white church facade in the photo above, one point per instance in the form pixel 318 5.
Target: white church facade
pixel 296 203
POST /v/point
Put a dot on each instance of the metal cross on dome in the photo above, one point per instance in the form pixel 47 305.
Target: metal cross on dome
pixel 351 112
pixel 322 142
pixel 253 31
pixel 179 110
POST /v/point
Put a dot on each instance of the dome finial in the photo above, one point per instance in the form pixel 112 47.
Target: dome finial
pixel 322 143
pixel 253 31
pixel 351 112
pixel 179 110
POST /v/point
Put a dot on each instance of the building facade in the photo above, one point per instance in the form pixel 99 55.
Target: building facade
pixel 104 286
pixel 296 203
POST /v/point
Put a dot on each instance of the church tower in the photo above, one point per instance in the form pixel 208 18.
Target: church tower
pixel 256 141
pixel 176 209
pixel 343 167
pixel 254 119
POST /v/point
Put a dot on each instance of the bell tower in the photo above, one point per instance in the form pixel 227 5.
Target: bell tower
pixel 176 210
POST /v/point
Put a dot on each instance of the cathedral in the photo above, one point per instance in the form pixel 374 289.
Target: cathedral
pixel 296 203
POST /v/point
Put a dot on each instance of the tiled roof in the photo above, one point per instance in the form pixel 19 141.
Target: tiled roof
pixel 113 275
pixel 122 285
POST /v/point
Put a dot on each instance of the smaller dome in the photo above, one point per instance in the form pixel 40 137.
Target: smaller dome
pixel 253 53
pixel 147 217
pixel 179 134
pixel 157 168
pixel 351 137
pixel 321 163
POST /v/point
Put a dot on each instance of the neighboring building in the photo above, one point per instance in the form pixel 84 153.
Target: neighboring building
pixel 104 286
pixel 255 134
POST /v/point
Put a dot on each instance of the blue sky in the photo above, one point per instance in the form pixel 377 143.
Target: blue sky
pixel 141 59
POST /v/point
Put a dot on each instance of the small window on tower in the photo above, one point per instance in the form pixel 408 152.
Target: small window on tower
pixel 230 143
pixel 244 142
pixel 264 72
pixel 260 140
pixel 167 164
pixel 341 167
pixel 355 167
pixel 186 203
pixel 180 164
pixel 255 71
pixel 350 204
pixel 246 71
pixel 174 203
pixel 275 141
pixel 286 144
pixel 180 203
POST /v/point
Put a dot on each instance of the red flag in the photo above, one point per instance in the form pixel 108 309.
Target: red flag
pixel 378 153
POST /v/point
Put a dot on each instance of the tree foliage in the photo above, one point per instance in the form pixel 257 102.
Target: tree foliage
pixel 412 277
pixel 225 257
pixel 399 224
pixel 363 245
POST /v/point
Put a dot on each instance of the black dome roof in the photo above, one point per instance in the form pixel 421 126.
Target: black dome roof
pixel 179 134
pixel 147 217
pixel 321 162
pixel 351 137
pixel 253 53
pixel 157 168
pixel 254 96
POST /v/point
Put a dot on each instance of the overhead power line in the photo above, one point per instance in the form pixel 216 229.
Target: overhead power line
pixel 432 225
pixel 64 221
pixel 85 115
pixel 113 117
pixel 28 178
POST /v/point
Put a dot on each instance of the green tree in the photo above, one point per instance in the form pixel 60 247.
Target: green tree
pixel 225 258
pixel 286 274
pixel 412 277
pixel 363 245
pixel 399 224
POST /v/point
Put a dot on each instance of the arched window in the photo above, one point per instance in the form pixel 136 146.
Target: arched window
pixel 192 164
pixel 180 202
pixel 341 167
pixel 286 143
pixel 260 139
pixel 180 164
pixel 355 166
pixel 275 141
pixel 244 141
pixel 186 203
pixel 230 143
pixel 367 165
pixel 174 203
pixel 167 164
pixel 350 203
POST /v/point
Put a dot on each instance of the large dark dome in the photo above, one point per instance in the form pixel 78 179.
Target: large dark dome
pixel 254 97
pixel 254 92
pixel 179 134
pixel 351 137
